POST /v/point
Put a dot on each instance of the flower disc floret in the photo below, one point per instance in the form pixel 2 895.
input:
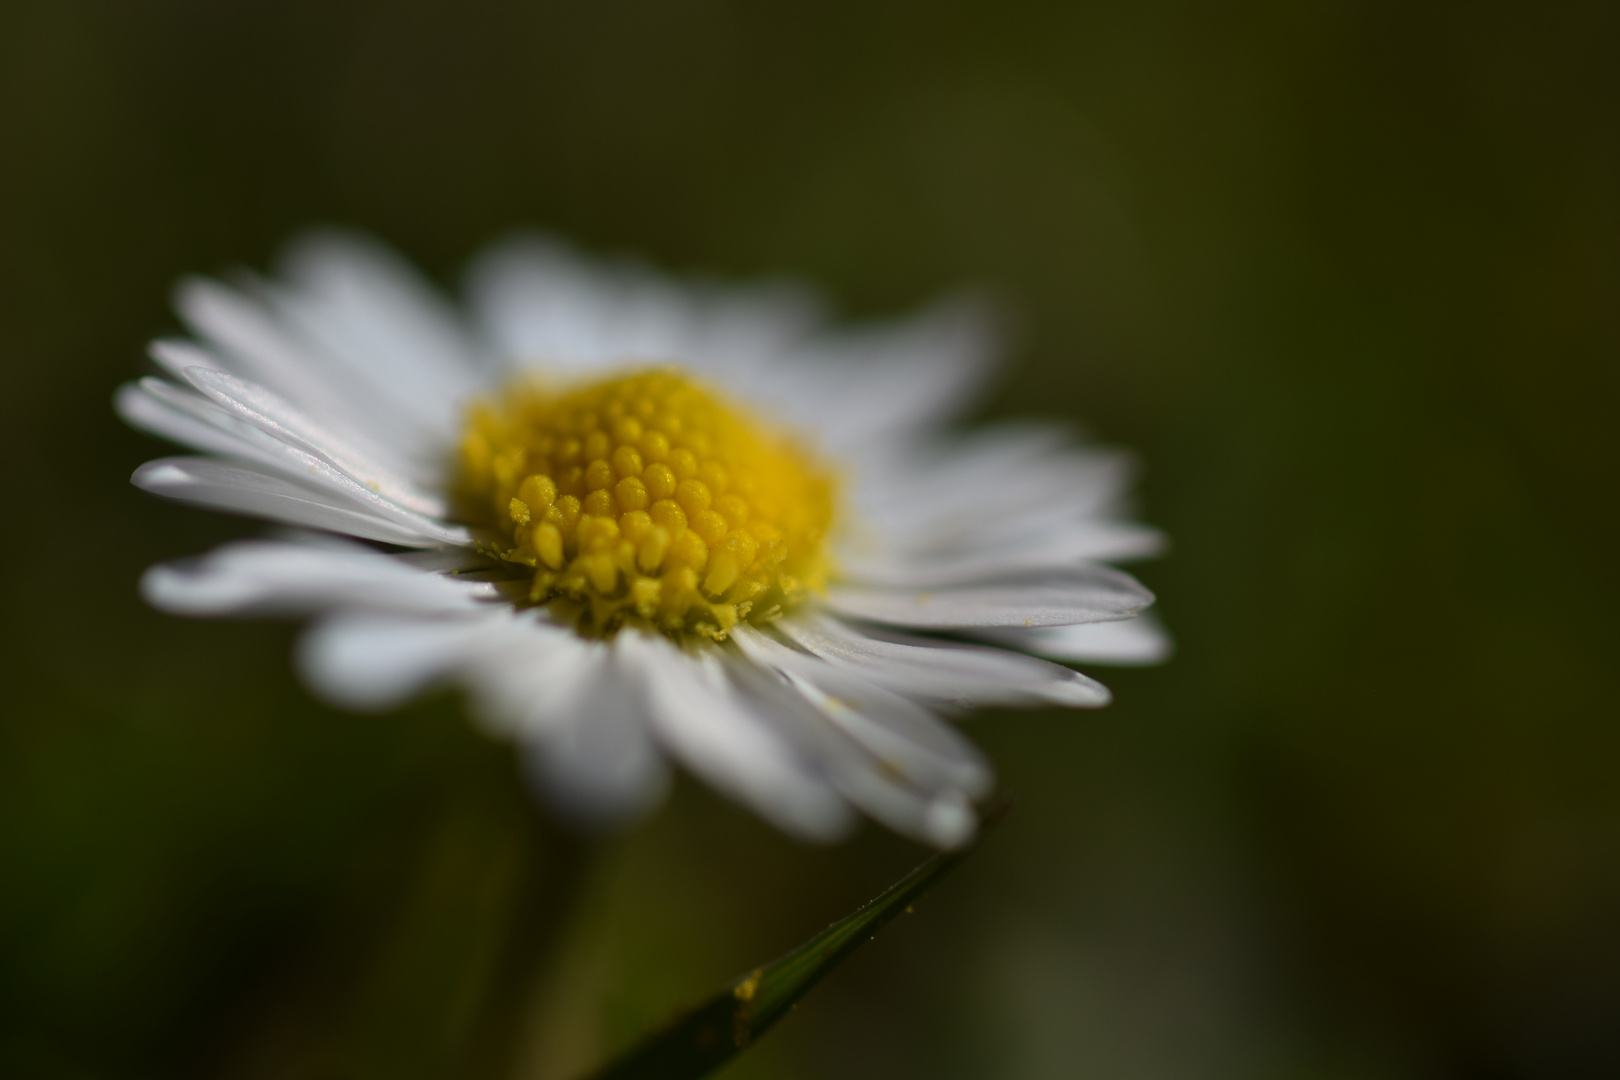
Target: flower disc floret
pixel 646 498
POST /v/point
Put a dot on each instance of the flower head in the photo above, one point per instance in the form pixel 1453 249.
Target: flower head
pixel 642 520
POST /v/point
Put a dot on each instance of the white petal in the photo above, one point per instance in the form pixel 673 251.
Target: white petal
pixel 907 738
pixel 257 577
pixel 739 331
pixel 370 309
pixel 530 677
pixel 585 734
pixel 933 475
pixel 549 307
pixel 601 770
pixel 995 487
pixel 370 661
pixel 944 671
pixel 183 415
pixel 544 304
pixel 1088 594
pixel 1128 643
pixel 250 490
pixel 541 304
pixel 249 338
pixel 942 816
pixel 262 409
pixel 1060 549
pixel 929 475
pixel 874 383
pixel 701 720
pixel 162 409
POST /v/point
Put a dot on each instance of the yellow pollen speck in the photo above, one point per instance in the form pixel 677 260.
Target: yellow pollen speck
pixel 646 499
pixel 748 987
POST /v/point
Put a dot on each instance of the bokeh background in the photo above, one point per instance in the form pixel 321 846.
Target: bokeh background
pixel 1345 274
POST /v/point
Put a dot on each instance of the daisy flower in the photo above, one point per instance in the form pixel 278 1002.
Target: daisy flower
pixel 643 521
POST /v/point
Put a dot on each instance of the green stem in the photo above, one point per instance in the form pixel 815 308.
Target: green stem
pixel 552 880
pixel 705 1038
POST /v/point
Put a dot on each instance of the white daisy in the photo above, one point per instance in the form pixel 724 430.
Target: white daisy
pixel 642 520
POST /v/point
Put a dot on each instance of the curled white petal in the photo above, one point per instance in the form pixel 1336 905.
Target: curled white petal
pixel 186 417
pixel 1130 643
pixel 286 423
pixel 698 716
pixel 943 671
pixel 906 737
pixel 938 815
pixel 1052 551
pixel 258 577
pixel 1081 595
pixel 248 489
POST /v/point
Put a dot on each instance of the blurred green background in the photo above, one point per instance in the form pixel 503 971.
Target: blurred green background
pixel 1346 274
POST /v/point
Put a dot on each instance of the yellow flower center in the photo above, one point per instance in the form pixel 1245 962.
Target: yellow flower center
pixel 645 498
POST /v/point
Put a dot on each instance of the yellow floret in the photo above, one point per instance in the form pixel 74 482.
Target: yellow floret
pixel 646 498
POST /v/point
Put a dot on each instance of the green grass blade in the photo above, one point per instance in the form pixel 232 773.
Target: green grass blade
pixel 708 1036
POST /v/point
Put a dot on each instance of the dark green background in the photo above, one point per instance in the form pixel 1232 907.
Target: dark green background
pixel 1345 274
